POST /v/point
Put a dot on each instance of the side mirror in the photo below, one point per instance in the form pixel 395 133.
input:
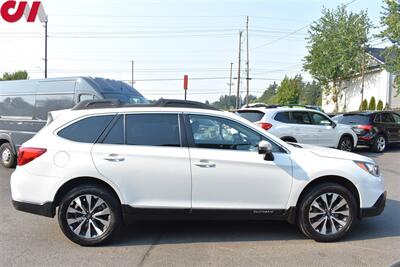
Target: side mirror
pixel 265 148
pixel 334 125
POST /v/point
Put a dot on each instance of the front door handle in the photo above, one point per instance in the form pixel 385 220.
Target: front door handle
pixel 114 158
pixel 205 164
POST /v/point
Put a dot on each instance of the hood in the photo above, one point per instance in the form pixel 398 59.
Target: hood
pixel 334 153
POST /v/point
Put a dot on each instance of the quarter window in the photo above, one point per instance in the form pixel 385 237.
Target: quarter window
pixel 86 130
pixel 153 130
pixel 283 117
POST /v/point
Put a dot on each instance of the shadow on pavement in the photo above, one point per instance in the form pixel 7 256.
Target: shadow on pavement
pixel 171 232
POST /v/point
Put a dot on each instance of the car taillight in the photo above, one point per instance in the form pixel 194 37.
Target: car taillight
pixel 27 154
pixel 265 125
pixel 365 127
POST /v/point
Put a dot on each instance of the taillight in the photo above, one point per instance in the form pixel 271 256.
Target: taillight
pixel 365 127
pixel 27 154
pixel 265 125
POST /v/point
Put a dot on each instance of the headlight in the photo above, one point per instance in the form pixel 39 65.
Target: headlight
pixel 369 167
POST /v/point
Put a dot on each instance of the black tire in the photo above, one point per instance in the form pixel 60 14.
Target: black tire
pixel 306 222
pixel 346 143
pixel 88 225
pixel 379 144
pixel 7 157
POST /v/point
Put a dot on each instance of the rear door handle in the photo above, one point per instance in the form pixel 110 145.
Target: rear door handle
pixel 205 164
pixel 114 158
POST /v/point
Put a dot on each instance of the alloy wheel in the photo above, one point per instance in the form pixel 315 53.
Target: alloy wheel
pixel 381 143
pixel 6 156
pixel 346 145
pixel 329 213
pixel 88 216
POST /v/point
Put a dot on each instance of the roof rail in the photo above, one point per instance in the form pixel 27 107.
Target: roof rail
pixel 114 103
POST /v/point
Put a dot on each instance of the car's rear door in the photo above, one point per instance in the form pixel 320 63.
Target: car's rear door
pixel 144 156
pixel 327 135
pixel 389 126
pixel 396 127
pixel 303 129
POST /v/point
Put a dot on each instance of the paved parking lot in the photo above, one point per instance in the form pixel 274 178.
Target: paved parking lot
pixel 29 240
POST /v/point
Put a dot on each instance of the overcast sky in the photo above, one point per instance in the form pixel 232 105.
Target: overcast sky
pixel 168 39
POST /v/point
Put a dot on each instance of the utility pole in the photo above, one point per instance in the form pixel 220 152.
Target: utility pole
pixel 230 81
pixel 45 47
pixel 248 63
pixel 133 72
pixel 239 63
pixel 363 74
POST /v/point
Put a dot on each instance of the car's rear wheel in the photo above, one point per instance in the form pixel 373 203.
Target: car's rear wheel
pixel 8 158
pixel 379 144
pixel 346 144
pixel 89 215
pixel 327 212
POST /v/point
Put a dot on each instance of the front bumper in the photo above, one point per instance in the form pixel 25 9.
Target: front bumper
pixel 376 209
pixel 45 209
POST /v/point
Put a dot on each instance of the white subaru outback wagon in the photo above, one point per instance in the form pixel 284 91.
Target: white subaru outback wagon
pixel 102 164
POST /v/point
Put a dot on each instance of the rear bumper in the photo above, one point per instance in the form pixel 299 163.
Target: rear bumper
pixel 376 209
pixel 45 209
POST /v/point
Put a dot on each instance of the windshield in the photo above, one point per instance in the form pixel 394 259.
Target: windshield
pixel 126 98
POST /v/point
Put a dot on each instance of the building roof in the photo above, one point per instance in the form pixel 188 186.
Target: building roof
pixel 376 53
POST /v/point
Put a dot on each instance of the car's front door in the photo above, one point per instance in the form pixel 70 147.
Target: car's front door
pixel 227 171
pixel 147 160
pixel 389 126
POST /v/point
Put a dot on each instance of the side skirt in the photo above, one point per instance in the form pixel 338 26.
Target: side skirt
pixel 131 214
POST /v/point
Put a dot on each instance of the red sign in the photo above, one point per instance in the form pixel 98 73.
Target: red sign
pixel 12 11
pixel 185 82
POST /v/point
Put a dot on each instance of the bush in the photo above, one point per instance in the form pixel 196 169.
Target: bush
pixel 380 105
pixel 372 104
pixel 364 105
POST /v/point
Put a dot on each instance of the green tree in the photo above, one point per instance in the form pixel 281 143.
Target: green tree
pixel 364 105
pixel 372 104
pixel 311 94
pixel 268 94
pixel 380 105
pixel 289 91
pixel 18 75
pixel 390 21
pixel 336 47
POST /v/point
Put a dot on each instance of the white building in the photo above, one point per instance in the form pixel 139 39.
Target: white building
pixel 378 83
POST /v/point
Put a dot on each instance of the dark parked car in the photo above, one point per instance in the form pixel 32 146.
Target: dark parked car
pixel 376 129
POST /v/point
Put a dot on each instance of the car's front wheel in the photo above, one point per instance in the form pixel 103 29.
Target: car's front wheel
pixel 89 215
pixel 327 212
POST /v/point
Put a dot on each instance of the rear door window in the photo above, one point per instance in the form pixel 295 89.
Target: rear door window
pixel 86 130
pixel 387 118
pixel 116 135
pixel 300 117
pixel 153 130
pixel 252 116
